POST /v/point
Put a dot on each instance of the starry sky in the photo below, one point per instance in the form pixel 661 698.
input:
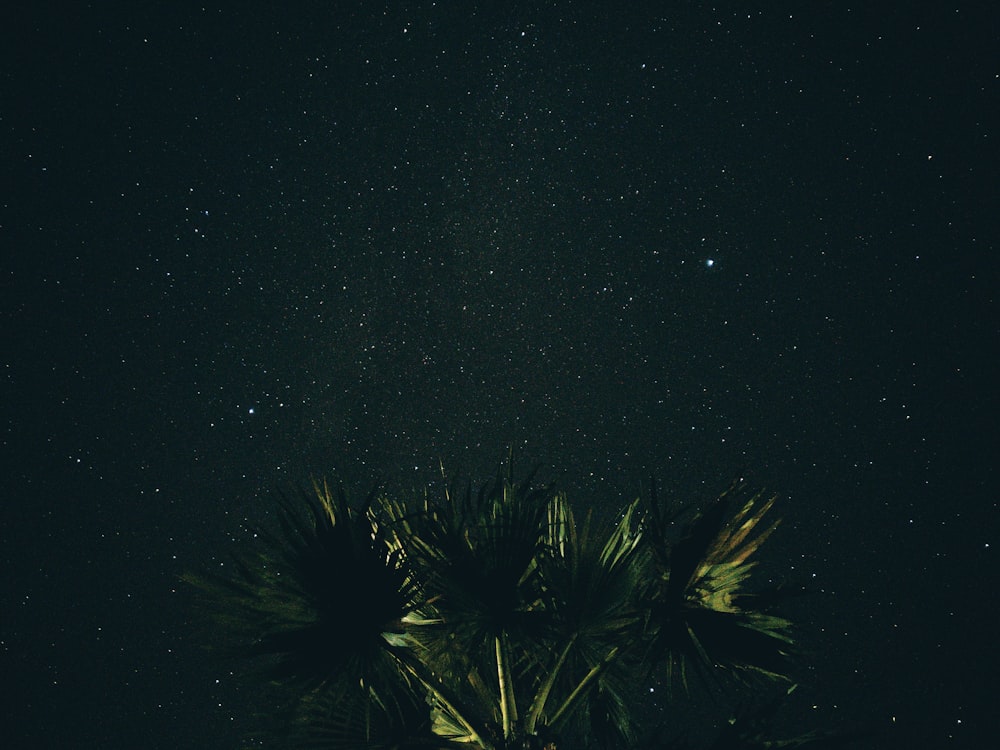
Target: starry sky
pixel 247 245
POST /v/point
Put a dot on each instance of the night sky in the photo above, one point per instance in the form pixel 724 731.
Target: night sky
pixel 241 248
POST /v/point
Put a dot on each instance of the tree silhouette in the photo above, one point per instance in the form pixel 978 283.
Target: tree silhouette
pixel 494 618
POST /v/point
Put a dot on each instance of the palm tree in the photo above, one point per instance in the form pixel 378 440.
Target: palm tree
pixel 493 618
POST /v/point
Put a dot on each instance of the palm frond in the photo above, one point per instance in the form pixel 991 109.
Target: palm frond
pixel 701 611
pixel 588 582
pixel 319 601
pixel 476 551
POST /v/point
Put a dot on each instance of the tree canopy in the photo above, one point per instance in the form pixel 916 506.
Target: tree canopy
pixel 495 617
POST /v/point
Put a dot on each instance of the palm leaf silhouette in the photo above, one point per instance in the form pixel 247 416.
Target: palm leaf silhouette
pixel 700 612
pixel 494 618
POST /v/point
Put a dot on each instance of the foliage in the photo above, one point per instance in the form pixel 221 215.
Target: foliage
pixel 494 618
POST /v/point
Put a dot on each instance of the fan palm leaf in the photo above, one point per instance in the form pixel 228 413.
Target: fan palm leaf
pixel 321 605
pixel 477 553
pixel 700 611
pixel 588 581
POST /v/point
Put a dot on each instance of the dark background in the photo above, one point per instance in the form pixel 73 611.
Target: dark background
pixel 243 246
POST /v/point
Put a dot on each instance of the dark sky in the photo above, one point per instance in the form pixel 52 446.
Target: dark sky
pixel 242 248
